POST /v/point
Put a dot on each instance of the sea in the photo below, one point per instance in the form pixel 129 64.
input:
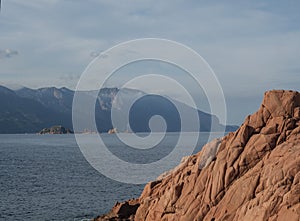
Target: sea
pixel 46 177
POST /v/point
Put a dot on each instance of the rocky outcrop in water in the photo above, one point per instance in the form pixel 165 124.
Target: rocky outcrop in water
pixel 56 130
pixel 112 131
pixel 255 174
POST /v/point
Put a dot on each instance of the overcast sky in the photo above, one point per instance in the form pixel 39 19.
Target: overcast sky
pixel 252 46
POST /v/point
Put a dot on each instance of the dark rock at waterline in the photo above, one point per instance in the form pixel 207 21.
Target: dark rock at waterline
pixel 56 130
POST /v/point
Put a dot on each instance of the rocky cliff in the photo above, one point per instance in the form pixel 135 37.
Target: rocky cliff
pixel 254 175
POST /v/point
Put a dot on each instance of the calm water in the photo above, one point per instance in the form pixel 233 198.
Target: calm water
pixel 47 178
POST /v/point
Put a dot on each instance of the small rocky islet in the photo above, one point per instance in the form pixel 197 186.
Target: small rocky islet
pixel 56 130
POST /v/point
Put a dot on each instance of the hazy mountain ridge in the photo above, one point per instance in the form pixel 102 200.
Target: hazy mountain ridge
pixel 29 110
pixel 23 115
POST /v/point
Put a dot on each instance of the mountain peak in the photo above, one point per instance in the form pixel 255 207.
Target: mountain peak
pixel 6 90
pixel 281 102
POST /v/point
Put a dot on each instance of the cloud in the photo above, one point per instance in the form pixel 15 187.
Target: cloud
pixel 252 46
pixel 94 54
pixel 8 53
pixel 67 80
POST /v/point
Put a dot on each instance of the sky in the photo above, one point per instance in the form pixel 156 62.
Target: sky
pixel 252 46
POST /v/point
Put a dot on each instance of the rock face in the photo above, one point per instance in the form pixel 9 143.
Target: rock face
pixel 255 174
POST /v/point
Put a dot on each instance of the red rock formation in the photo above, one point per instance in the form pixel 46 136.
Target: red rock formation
pixel 255 174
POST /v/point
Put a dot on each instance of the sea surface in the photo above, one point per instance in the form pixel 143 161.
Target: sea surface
pixel 46 177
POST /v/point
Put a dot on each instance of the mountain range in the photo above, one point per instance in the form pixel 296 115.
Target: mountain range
pixel 30 110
